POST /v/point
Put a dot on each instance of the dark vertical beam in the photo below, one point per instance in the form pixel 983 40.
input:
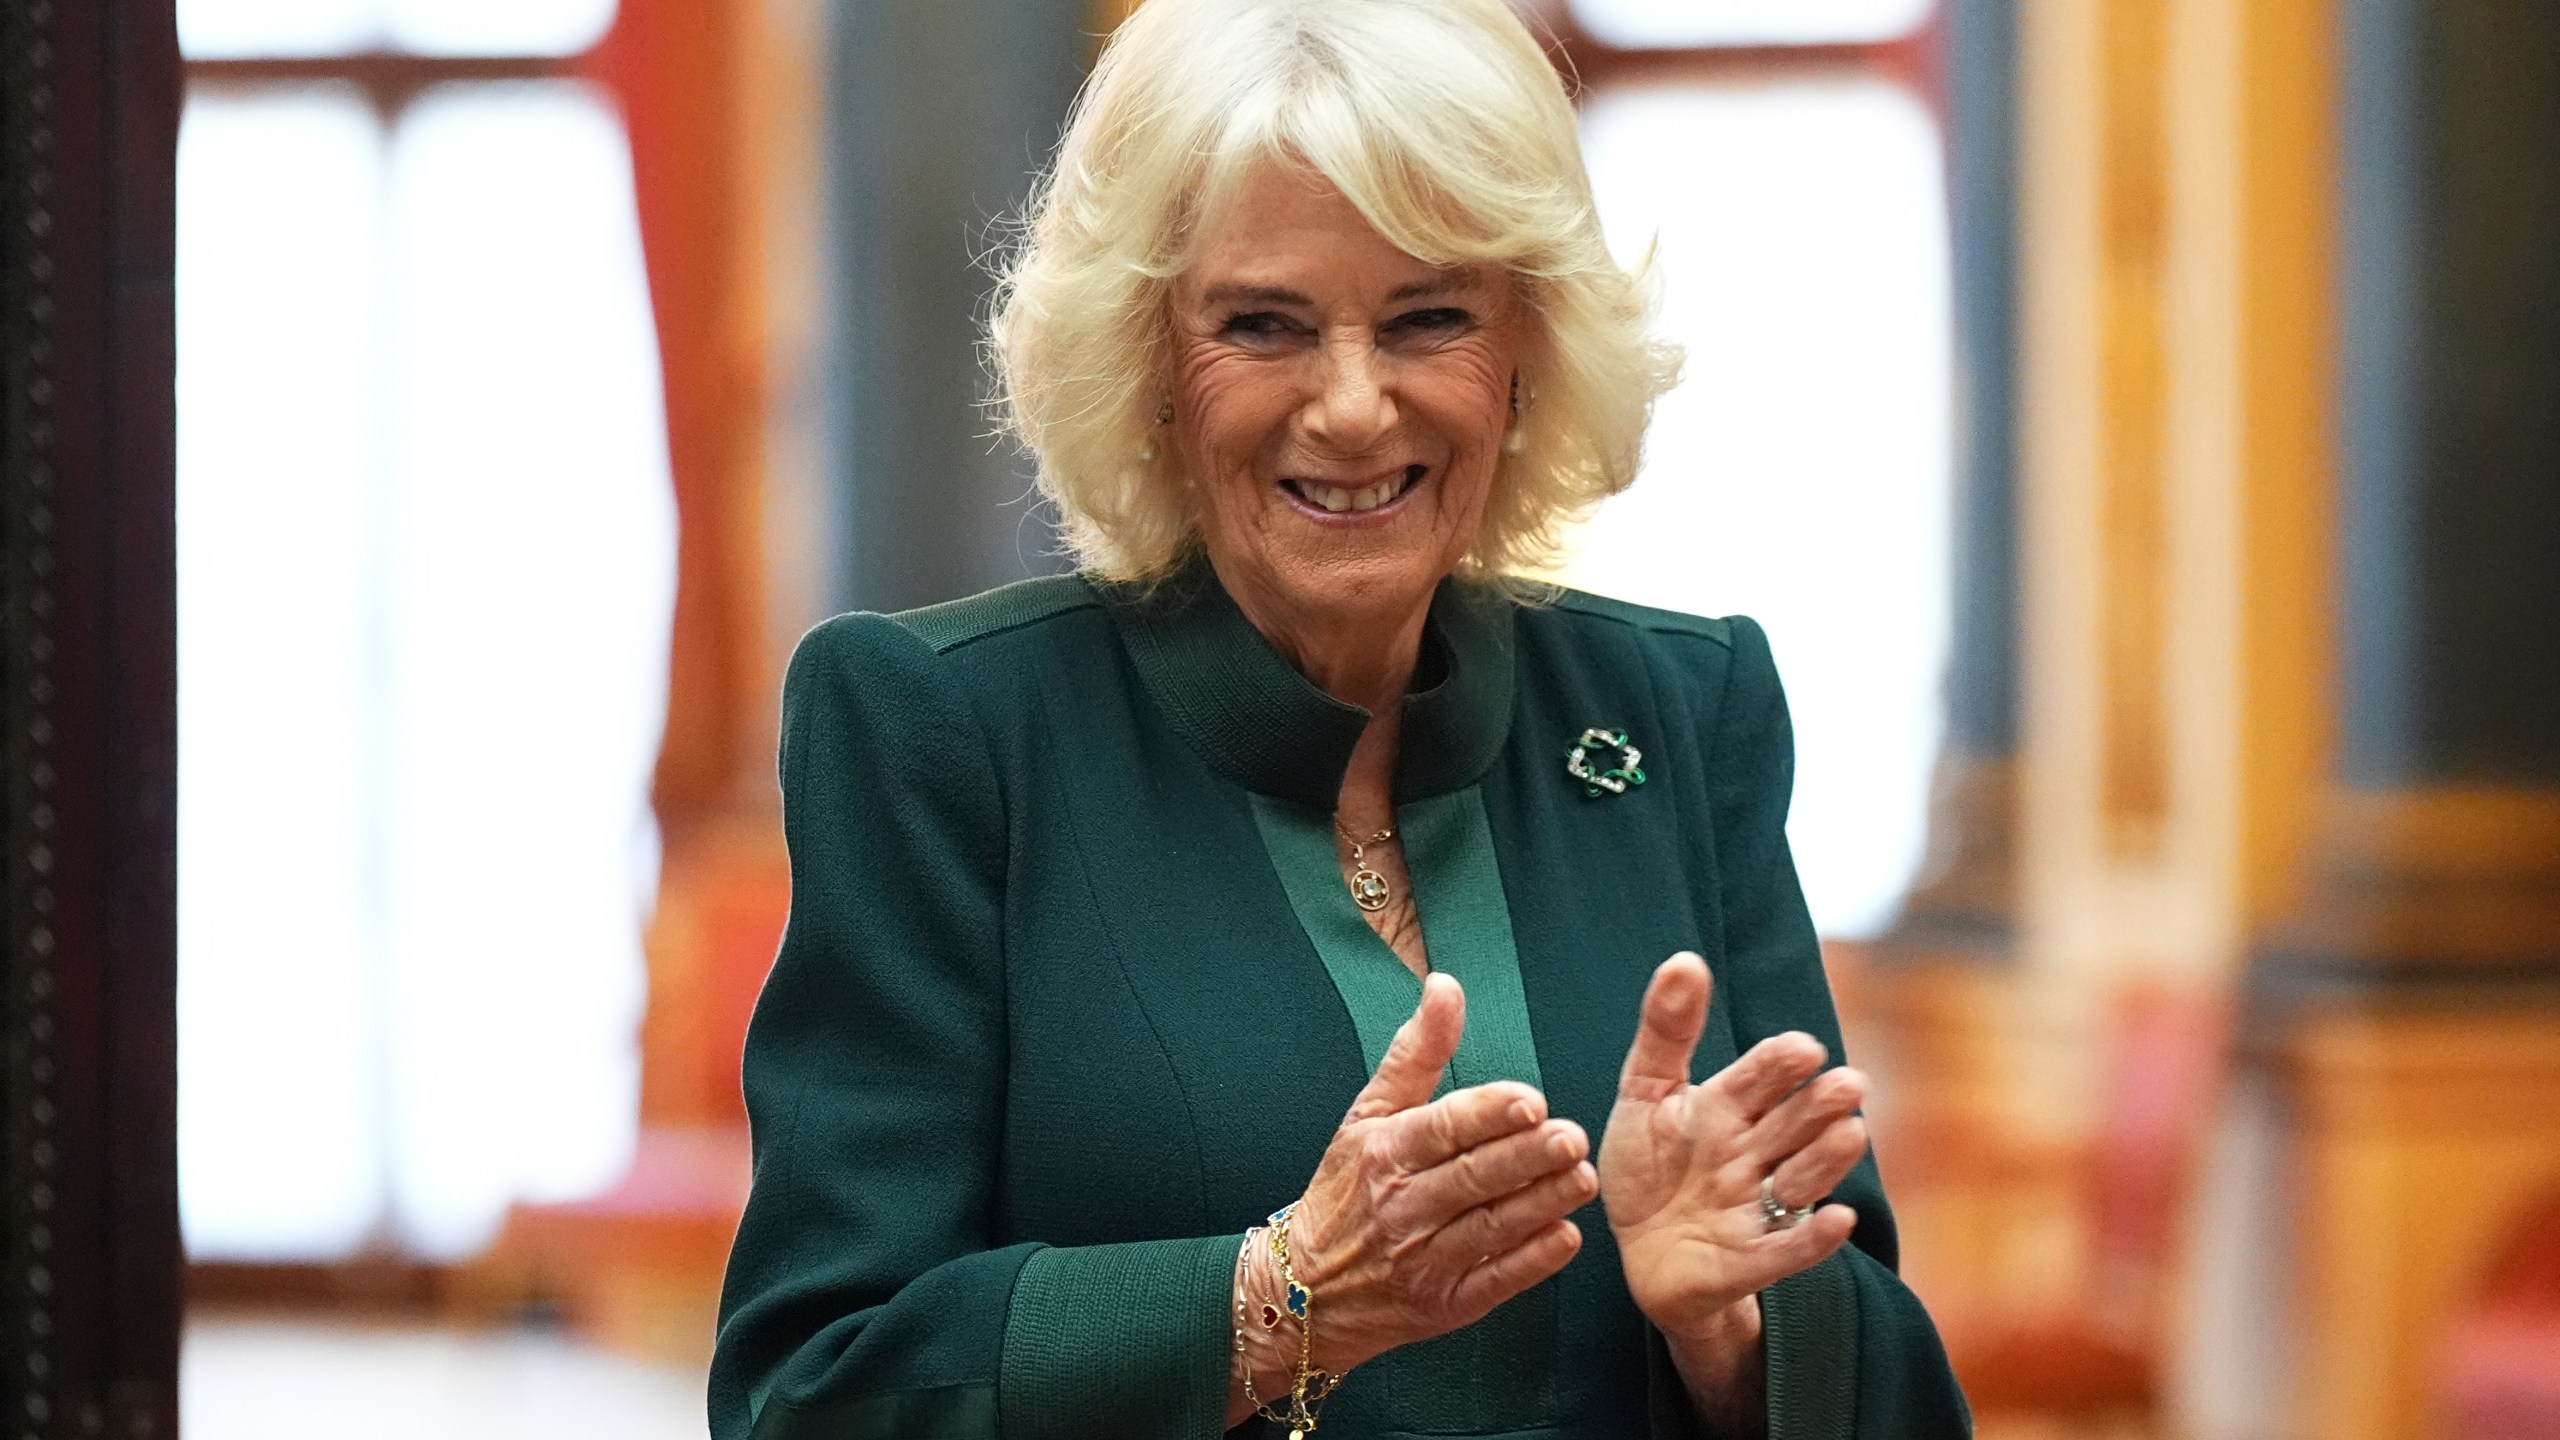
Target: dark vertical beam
pixel 2452 467
pixel 1962 899
pixel 2490 537
pixel 2381 280
pixel 939 114
pixel 2409 1000
pixel 2439 862
pixel 1982 70
pixel 89 1296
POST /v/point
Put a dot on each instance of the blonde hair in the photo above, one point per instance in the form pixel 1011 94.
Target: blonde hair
pixel 1442 121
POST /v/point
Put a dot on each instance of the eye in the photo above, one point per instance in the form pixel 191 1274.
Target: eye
pixel 1438 319
pixel 1258 324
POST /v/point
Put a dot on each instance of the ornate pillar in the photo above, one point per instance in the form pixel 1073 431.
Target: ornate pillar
pixel 2415 991
pixel 2173 473
pixel 2171 462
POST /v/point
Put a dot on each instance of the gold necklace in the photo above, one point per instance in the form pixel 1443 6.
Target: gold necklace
pixel 1369 889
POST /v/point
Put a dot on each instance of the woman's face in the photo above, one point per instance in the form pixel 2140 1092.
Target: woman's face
pixel 1339 406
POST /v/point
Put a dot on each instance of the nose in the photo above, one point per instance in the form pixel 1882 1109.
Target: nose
pixel 1353 411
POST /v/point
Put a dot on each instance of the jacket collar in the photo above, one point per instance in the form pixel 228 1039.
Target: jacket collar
pixel 1256 720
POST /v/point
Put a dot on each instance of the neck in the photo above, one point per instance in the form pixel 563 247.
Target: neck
pixel 1360 656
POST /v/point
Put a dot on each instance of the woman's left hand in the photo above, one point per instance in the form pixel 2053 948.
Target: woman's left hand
pixel 1681 1165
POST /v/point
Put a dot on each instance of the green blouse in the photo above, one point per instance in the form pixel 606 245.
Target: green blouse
pixel 1073 993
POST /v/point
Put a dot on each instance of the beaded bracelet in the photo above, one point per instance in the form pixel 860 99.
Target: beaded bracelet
pixel 1271 1314
pixel 1309 1386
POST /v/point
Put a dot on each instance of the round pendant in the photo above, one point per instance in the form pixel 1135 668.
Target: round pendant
pixel 1369 889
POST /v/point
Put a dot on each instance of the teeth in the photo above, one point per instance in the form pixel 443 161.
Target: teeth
pixel 1338 500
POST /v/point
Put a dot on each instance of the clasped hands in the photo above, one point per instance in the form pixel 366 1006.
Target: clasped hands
pixel 1426 1214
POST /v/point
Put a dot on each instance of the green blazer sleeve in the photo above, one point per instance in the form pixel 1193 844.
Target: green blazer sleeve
pixel 866 1293
pixel 1851 1353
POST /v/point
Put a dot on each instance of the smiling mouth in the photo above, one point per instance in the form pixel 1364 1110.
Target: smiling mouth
pixel 1338 500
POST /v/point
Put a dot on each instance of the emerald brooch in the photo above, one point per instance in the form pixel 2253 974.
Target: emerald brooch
pixel 1617 770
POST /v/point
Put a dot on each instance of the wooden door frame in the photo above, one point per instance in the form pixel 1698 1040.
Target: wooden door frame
pixel 89 1246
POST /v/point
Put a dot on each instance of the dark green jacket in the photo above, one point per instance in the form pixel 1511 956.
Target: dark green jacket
pixel 1073 994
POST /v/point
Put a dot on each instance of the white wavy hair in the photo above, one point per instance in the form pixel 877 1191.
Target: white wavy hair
pixel 1442 121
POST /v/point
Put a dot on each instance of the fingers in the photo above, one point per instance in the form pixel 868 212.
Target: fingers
pixel 1818 1168
pixel 1769 1072
pixel 1457 1123
pixel 1410 1070
pixel 1811 1110
pixel 1808 1244
pixel 1544 1253
pixel 1667 1029
pixel 1505 1223
pixel 1497 1167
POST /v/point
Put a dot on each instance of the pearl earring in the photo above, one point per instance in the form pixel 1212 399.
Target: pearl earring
pixel 1514 441
pixel 1164 417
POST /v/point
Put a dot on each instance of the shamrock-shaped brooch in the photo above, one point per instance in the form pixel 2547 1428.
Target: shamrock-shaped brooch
pixel 1617 771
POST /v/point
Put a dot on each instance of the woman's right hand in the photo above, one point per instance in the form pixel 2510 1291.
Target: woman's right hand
pixel 1426 1214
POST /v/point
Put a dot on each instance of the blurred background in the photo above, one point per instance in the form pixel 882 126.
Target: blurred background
pixel 2137 423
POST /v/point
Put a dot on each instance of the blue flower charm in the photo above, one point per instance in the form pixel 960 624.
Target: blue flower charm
pixel 1615 779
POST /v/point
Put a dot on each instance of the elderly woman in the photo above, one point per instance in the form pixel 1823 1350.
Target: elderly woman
pixel 1300 858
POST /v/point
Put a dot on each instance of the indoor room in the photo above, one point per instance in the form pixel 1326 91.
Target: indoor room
pixel 436 425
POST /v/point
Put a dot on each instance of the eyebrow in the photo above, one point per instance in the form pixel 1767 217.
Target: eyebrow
pixel 1254 295
pixel 1454 280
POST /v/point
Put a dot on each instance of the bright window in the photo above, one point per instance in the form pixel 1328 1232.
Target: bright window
pixel 1801 472
pixel 279 288
pixel 256 29
pixel 426 571
pixel 1673 24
